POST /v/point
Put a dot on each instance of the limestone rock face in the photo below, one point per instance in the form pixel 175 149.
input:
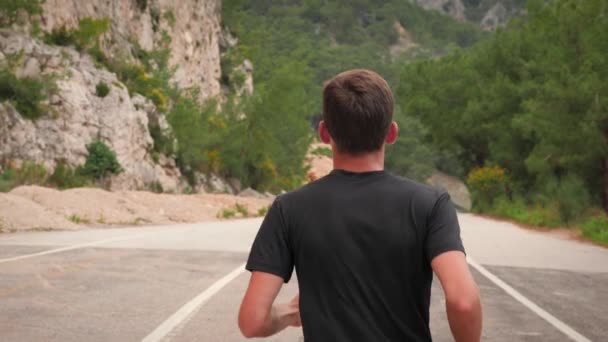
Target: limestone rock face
pixel 455 8
pixel 496 16
pixel 77 117
pixel 487 14
pixel 192 25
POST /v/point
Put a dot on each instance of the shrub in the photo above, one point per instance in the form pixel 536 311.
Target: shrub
pixel 65 177
pixel 262 211
pixel 89 31
pixel 101 161
pixel 570 194
pixel 60 36
pixel 85 37
pixel 596 229
pixel 102 89
pixel 150 79
pixel 27 94
pixel 155 187
pixel 241 209
pixel 169 16
pixel 487 184
pixel 163 141
pixel 227 213
pixel 30 173
pixel 7 180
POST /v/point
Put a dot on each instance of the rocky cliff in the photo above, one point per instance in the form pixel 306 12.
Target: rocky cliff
pixel 77 116
pixel 192 25
pixel 489 14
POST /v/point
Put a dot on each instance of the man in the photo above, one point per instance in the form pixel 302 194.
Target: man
pixel 364 243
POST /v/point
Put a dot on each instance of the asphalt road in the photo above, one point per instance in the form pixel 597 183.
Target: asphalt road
pixel 185 282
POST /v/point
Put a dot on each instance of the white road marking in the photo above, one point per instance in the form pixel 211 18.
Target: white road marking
pixel 561 326
pixel 185 312
pixel 68 248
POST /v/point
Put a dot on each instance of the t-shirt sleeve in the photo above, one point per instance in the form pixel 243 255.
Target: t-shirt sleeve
pixel 443 230
pixel 271 252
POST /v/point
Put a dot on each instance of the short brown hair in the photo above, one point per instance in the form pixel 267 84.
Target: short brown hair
pixel 357 110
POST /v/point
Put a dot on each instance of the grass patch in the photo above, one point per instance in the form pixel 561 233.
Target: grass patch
pixel 29 173
pixel 541 216
pixel 66 177
pixel 595 229
pixel 78 220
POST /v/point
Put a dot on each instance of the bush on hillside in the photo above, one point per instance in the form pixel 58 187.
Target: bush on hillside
pixel 86 36
pixel 101 161
pixel 571 195
pixel 102 89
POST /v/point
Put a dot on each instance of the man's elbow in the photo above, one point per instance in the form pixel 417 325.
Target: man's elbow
pixel 465 304
pixel 249 326
pixel 248 332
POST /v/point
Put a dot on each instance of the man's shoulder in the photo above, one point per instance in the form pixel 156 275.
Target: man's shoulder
pixel 308 190
pixel 415 188
pixel 391 184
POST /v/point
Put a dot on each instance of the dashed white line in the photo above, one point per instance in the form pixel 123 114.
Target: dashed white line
pixel 559 325
pixel 186 311
pixel 68 248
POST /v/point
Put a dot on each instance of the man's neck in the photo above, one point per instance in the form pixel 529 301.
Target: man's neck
pixel 373 161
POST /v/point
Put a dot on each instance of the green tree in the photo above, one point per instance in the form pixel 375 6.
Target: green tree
pixel 531 98
pixel 410 156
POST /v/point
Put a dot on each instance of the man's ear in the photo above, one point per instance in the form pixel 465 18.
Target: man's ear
pixel 324 133
pixel 393 132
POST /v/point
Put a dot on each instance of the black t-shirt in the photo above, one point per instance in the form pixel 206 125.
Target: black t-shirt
pixel 362 245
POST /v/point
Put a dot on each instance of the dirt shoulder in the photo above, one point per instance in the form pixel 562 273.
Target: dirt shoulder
pixel 29 208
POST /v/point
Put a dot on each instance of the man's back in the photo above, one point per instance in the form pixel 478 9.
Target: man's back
pixel 364 243
pixel 361 248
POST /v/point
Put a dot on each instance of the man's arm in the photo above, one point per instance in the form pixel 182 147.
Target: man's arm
pixel 258 316
pixel 463 303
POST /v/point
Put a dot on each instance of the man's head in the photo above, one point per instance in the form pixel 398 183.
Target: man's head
pixel 358 112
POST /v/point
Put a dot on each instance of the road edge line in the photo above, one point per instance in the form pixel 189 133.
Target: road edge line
pixel 184 313
pixel 68 248
pixel 554 321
